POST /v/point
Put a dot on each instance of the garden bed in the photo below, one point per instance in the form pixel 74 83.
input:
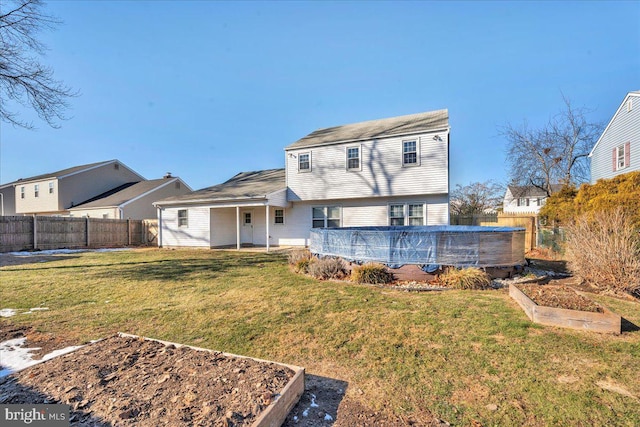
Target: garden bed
pixel 128 380
pixel 563 307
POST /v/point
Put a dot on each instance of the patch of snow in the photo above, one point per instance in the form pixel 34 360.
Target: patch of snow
pixel 305 413
pixel 7 312
pixel 15 356
pixel 313 401
pixel 295 418
pixel 63 251
pixel 328 417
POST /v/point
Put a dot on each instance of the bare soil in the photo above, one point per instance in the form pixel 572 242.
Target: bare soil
pixel 130 381
pixel 559 296
pixel 123 381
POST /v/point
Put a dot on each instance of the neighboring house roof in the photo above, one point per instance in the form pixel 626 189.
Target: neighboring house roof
pixel 245 185
pixel 394 126
pixel 125 193
pixel 622 104
pixel 70 171
pixel 531 191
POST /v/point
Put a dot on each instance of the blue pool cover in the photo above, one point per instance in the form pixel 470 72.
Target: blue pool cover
pixel 428 246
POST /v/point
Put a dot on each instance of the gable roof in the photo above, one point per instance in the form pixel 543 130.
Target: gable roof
pixel 125 193
pixel 256 185
pixel 531 191
pixel 394 126
pixel 70 171
pixel 622 104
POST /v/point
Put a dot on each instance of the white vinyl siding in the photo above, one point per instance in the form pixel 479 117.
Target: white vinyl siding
pixel 622 131
pixel 196 235
pixel 382 172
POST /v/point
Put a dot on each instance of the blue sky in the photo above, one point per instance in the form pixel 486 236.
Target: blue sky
pixel 208 89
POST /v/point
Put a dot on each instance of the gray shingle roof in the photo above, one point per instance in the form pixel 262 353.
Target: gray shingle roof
pixel 245 185
pixel 393 126
pixel 122 194
pixel 531 191
pixel 63 172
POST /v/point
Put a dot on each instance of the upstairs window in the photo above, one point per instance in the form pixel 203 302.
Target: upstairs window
pixel 51 188
pixel 523 201
pixel 326 216
pixel 409 153
pixel 304 162
pixel 278 218
pixel 22 192
pixel 36 190
pixel 183 218
pixel 353 158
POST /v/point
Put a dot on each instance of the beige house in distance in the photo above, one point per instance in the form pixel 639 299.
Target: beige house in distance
pixel 55 193
pixel 133 200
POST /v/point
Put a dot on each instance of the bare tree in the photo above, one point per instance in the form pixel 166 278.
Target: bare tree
pixel 555 153
pixel 476 198
pixel 23 79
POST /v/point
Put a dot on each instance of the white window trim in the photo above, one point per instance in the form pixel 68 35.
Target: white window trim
pixel 186 218
pixel 275 216
pixel 51 188
pixel 325 209
pixel 346 158
pixel 417 163
pixel 36 190
pixel 23 192
pixel 310 162
pixel 619 165
pixel 405 212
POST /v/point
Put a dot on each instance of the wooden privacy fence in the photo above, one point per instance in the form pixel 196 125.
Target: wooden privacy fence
pixel 528 221
pixel 18 233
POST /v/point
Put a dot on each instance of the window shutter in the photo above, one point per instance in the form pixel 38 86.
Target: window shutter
pixel 627 154
pixel 615 159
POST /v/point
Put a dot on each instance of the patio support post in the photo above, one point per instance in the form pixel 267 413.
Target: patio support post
pixel 238 227
pixel 267 227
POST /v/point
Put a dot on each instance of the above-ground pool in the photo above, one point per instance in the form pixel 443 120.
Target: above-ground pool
pixel 454 245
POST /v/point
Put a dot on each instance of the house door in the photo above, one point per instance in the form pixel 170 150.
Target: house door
pixel 246 229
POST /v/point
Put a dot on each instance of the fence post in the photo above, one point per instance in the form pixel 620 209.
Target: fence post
pixel 35 233
pixel 88 239
pixel 128 232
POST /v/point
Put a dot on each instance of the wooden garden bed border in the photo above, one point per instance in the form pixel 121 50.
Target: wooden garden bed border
pixel 274 414
pixel 562 317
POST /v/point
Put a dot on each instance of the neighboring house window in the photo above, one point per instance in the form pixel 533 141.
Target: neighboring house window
pixel 36 190
pixel 622 156
pixel 51 188
pixel 116 166
pixel 183 218
pixel 409 153
pixel 353 158
pixel 396 215
pixel 22 193
pixel 326 216
pixel 406 214
pixel 304 162
pixel 523 201
pixel 279 216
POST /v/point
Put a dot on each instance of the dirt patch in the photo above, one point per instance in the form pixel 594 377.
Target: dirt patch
pixel 559 296
pixel 42 342
pixel 130 381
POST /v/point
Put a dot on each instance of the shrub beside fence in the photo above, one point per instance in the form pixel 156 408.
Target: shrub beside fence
pixel 18 233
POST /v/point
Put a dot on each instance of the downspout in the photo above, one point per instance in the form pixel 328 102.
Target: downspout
pixel 121 210
pixel 267 226
pixel 159 226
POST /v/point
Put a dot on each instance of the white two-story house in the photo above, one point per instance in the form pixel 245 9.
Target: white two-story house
pixel 617 151
pixel 391 171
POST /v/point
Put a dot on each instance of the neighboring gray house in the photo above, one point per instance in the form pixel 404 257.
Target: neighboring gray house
pixel 617 151
pixel 54 193
pixel 392 171
pixel 525 199
pixel 133 200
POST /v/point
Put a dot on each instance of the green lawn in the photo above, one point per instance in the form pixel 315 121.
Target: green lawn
pixel 459 355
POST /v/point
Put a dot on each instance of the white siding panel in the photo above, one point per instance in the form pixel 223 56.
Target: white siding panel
pixel 382 173
pixel 624 127
pixel 223 226
pixel 196 234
